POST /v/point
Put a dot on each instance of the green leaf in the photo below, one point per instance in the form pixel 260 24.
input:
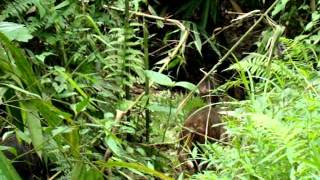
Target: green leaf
pixel 6 66
pixel 9 149
pixel 32 119
pixel 80 106
pixel 21 90
pixel 61 130
pixel 197 41
pixel 124 105
pixel 309 26
pixel 187 85
pixel 23 68
pixel 114 144
pixel 7 171
pixel 41 57
pixel 136 166
pixel 74 141
pixel 35 128
pixel 76 171
pixel 160 24
pixel 315 21
pixel 279 7
pixel 40 8
pixel 3 90
pixel 53 115
pixel 74 84
pixel 160 108
pixel 159 78
pixel 82 171
pixel 15 31
pixel 62 5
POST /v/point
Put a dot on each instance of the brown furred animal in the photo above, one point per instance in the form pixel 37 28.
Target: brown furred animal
pixel 201 125
pixel 205 121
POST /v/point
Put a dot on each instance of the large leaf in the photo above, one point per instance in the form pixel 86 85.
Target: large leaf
pixel 279 7
pixel 40 8
pixel 136 166
pixel 197 39
pixel 15 31
pixel 23 68
pixel 80 106
pixel 74 141
pixel 159 78
pixel 187 85
pixel 33 122
pixel 21 90
pixel 7 171
pixel 82 171
pixel 114 144
pixel 5 66
pixel 53 115
pixel 74 84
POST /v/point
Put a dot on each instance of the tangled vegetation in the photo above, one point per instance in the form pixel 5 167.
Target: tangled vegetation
pixel 100 89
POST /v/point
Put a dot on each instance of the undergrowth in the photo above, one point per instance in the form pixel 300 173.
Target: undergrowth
pixel 77 81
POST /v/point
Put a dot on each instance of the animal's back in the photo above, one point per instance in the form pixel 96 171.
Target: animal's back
pixel 206 121
pixel 201 125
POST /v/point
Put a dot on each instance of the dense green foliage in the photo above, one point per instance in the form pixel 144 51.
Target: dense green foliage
pixel 76 82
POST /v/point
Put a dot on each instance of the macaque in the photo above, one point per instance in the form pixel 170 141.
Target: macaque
pixel 201 126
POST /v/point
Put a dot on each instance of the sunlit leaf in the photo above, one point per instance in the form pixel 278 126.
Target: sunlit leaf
pixel 279 7
pixel 74 84
pixel 21 90
pixel 159 78
pixel 23 67
pixel 61 130
pixel 34 125
pixel 7 171
pixel 187 85
pixel 41 57
pixel 82 171
pixel 114 144
pixel 197 39
pixel 138 167
pixel 15 31
pixel 80 106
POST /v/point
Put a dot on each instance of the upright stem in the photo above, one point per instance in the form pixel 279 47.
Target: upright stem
pixel 124 50
pixel 146 67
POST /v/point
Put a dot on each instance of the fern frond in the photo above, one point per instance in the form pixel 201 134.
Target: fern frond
pixel 36 24
pixel 258 66
pixel 297 50
pixel 16 8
